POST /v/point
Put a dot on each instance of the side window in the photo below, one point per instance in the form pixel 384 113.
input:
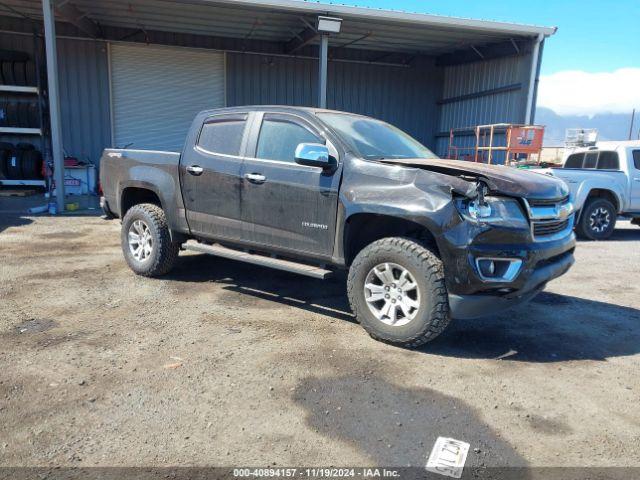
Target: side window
pixel 590 160
pixel 636 159
pixel 608 161
pixel 279 139
pixel 223 136
pixel 574 160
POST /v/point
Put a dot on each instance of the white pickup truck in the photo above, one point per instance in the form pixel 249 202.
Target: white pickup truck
pixel 605 183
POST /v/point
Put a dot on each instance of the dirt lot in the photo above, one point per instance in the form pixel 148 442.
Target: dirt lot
pixel 223 363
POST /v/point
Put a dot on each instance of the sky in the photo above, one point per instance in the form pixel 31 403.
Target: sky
pixel 591 65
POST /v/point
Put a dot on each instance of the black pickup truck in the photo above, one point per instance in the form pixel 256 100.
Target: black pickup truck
pixel 314 191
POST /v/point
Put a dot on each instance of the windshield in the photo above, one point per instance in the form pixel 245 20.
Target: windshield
pixel 373 139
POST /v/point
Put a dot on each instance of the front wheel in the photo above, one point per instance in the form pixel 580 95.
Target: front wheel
pixel 397 292
pixel 146 241
pixel 597 220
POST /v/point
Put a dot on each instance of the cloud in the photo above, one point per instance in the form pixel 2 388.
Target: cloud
pixel 574 92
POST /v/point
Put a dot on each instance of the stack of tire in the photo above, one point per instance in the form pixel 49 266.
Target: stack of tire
pixel 20 162
pixel 19 113
pixel 17 69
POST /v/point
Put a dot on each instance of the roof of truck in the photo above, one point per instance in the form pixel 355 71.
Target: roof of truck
pixel 605 145
pixel 309 110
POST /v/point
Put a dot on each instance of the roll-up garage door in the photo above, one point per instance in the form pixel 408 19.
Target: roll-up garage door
pixel 156 92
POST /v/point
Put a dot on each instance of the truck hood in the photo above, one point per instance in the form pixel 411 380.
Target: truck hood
pixel 498 178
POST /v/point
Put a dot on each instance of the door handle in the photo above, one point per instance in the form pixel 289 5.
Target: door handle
pixel 637 179
pixel 195 170
pixel 255 178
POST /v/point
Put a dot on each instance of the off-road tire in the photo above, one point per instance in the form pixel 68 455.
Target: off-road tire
pixel 584 231
pixel 165 252
pixel 426 268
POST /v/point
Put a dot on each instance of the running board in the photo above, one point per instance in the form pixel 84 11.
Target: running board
pixel 262 260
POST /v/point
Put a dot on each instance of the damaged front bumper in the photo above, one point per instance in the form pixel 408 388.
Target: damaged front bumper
pixel 472 295
pixel 479 305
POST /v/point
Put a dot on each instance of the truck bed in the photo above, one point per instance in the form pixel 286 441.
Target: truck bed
pixel 128 168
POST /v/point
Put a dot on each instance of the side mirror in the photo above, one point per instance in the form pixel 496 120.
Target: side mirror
pixel 314 155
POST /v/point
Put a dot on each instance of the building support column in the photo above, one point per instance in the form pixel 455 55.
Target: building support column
pixel 533 79
pixel 54 101
pixel 322 71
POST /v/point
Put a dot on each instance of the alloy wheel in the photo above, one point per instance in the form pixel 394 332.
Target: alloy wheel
pixel 599 220
pixel 392 294
pixel 140 240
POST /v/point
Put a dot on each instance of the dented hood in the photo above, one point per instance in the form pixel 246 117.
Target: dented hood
pixel 500 179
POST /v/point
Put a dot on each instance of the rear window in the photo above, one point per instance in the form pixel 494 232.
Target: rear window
pixel 608 161
pixel 601 160
pixel 590 160
pixel 636 159
pixel 222 136
pixel 574 160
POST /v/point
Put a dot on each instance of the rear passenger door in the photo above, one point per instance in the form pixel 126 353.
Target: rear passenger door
pixel 210 176
pixel 285 205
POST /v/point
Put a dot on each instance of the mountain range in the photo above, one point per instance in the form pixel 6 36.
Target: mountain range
pixel 611 126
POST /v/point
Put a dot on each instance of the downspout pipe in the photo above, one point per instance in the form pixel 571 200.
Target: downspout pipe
pixel 533 79
pixel 54 101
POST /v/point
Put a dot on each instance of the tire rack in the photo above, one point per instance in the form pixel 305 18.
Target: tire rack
pixel 20 131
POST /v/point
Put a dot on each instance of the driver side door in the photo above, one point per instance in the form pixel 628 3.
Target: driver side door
pixel 287 206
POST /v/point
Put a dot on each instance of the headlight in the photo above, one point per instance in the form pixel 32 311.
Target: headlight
pixel 495 210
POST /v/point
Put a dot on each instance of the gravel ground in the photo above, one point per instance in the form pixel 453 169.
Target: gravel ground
pixel 223 363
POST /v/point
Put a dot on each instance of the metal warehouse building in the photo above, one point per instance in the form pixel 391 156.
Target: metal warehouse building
pixel 134 72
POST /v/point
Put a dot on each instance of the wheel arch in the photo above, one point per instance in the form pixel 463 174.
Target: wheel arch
pixel 137 193
pixel 603 193
pixel 363 228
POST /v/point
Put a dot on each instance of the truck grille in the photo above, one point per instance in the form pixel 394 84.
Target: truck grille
pixel 549 228
pixel 550 218
pixel 547 202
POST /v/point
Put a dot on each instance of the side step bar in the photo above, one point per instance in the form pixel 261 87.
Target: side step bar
pixel 257 259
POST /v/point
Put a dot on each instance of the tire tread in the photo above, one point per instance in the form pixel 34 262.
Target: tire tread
pixel 433 269
pixel 167 250
pixel 582 229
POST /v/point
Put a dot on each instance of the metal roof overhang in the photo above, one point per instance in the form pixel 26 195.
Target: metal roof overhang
pixel 288 23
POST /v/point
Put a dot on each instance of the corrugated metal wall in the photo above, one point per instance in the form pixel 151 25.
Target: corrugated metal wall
pixel 471 78
pixel 262 80
pixel 84 94
pixel 480 76
pixel 404 96
pixel 84 98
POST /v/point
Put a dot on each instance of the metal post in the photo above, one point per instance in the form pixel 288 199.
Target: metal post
pixel 322 67
pixel 54 101
pixel 633 116
pixel 535 54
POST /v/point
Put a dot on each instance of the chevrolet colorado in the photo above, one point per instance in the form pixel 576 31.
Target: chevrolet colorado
pixel 313 191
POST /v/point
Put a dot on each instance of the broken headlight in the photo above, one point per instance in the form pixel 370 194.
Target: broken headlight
pixel 494 210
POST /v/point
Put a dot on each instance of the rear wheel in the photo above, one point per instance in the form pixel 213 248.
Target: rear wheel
pixel 597 220
pixel 146 241
pixel 397 291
